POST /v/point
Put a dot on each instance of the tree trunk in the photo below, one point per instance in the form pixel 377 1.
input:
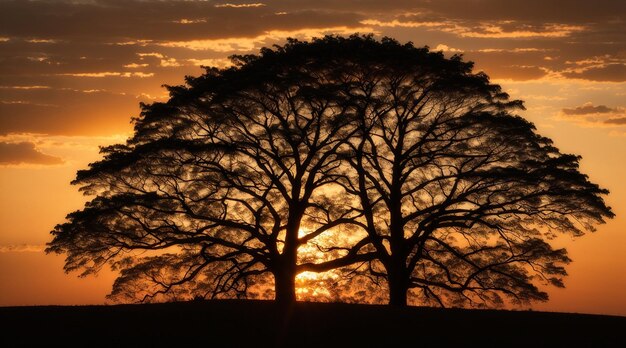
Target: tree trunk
pixel 397 296
pixel 398 287
pixel 285 272
pixel 285 269
pixel 285 285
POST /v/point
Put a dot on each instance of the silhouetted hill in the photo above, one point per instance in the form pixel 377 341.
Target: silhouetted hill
pixel 261 324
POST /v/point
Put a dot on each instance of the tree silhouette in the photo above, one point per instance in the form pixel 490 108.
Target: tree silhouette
pixel 416 166
pixel 222 177
pixel 459 194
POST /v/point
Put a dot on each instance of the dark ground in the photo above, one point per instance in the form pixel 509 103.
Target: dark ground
pixel 262 324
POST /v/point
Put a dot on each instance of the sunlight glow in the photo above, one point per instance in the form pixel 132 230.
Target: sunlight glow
pixel 312 286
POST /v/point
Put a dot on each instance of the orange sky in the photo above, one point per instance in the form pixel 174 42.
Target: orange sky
pixel 73 72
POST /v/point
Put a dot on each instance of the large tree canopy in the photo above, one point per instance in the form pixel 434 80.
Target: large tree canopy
pixel 459 194
pixel 390 161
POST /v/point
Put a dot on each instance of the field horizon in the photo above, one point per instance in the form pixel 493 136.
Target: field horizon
pixel 257 323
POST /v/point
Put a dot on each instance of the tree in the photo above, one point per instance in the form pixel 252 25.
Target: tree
pixel 459 195
pixel 412 165
pixel 220 179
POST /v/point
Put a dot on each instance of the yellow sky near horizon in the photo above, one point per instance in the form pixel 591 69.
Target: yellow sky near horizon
pixel 73 72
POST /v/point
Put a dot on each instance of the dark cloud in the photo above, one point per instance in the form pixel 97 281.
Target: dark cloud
pixel 24 152
pixel 531 10
pixel 589 109
pixel 124 21
pixel 100 46
pixel 616 121
pixel 589 115
pixel 580 11
pixel 610 72
pixel 116 20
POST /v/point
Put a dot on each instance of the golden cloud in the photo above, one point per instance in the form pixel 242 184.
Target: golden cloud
pixel 251 43
pixel 109 74
pixel 446 48
pixel 41 41
pixel 25 87
pixel 190 21
pixel 135 65
pixel 403 24
pixel 213 62
pixel 510 50
pixel 498 32
pixel 169 62
pixel 229 5
pixel 151 54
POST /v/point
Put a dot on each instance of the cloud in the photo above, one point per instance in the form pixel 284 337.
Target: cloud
pixel 232 44
pixel 24 87
pixel 487 30
pixel 151 54
pixel 163 60
pixel 590 115
pixel 402 24
pixel 213 62
pixel 511 50
pixel 504 36
pixel 134 21
pixel 22 248
pixel 116 31
pixel 615 72
pixel 190 21
pixel 41 41
pixel 109 74
pixel 581 11
pixel 64 144
pixel 491 29
pixel 446 48
pixel 589 108
pixel 218 45
pixel 133 43
pixel 616 121
pixel 229 5
pixel 26 102
pixel 169 62
pixel 135 66
pixel 24 153
pixel 130 48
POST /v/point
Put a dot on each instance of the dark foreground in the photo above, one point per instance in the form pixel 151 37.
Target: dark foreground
pixel 263 324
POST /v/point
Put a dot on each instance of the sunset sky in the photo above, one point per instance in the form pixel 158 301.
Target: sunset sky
pixel 72 74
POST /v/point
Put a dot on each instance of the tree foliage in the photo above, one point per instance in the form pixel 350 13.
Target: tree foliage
pixel 458 193
pixel 394 163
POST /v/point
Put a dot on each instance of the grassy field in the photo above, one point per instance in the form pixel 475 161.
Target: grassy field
pixel 263 324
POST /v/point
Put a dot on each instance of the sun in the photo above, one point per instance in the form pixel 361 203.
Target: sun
pixel 314 286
